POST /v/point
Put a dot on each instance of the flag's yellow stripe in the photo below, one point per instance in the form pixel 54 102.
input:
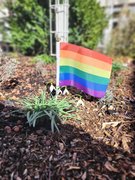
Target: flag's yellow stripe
pixel 84 67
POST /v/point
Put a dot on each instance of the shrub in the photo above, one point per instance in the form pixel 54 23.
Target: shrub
pixel 50 108
pixel 87 21
pixel 28 26
pixel 117 66
pixel 44 58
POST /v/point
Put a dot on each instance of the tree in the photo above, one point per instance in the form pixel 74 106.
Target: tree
pixel 87 21
pixel 29 27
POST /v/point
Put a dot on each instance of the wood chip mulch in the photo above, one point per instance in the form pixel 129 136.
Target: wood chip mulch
pixel 97 145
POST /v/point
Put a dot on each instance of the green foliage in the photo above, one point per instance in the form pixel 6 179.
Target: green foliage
pixel 41 106
pixel 29 26
pixel 87 21
pixel 123 37
pixel 45 58
pixel 107 98
pixel 119 80
pixel 117 66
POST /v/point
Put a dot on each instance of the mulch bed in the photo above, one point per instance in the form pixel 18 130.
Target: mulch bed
pixel 97 144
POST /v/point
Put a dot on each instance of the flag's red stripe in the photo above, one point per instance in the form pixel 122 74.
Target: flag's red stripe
pixel 86 52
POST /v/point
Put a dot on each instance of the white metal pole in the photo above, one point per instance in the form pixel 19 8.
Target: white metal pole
pixel 57 65
pixel 50 20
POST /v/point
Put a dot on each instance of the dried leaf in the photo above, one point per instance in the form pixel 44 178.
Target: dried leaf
pixel 74 157
pixel 73 168
pixel 84 176
pixel 50 158
pixel 123 177
pixel 12 175
pixel 119 156
pixel 61 146
pixel 113 124
pixel 18 178
pixel 25 172
pixel 107 134
pixel 110 167
pixel 2 97
pixel 133 167
pixel 133 173
pixel 125 144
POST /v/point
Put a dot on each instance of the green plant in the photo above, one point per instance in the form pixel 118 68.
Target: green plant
pixel 117 66
pixel 28 26
pixel 119 80
pixel 87 22
pixel 107 98
pixel 51 108
pixel 45 58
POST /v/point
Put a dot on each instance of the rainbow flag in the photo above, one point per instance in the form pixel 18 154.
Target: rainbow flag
pixel 85 69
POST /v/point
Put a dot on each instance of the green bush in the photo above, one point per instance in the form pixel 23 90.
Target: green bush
pixel 87 21
pixel 117 66
pixel 44 58
pixel 28 26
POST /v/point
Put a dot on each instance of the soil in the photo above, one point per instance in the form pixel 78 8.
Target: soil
pixel 98 144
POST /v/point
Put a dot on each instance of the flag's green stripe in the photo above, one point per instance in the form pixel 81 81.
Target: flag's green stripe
pixel 84 67
pixel 84 75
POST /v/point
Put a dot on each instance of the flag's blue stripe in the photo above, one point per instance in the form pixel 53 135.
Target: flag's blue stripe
pixel 88 77
pixel 83 82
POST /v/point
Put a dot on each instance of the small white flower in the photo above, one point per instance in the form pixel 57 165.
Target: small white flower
pixel 59 91
pixel 125 65
pixel 52 88
pixel 80 103
pixel 65 92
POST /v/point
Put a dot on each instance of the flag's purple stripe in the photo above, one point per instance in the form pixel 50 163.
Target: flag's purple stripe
pixel 98 94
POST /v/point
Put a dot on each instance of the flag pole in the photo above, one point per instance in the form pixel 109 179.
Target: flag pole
pixel 57 65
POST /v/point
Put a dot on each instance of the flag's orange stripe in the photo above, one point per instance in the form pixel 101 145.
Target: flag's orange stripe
pixel 85 60
pixel 86 52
